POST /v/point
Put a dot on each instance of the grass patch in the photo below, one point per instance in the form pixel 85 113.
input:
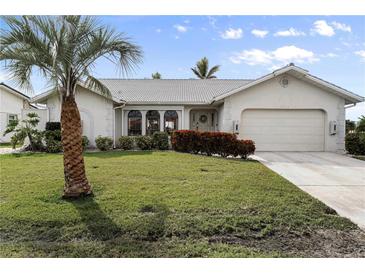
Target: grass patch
pixel 163 204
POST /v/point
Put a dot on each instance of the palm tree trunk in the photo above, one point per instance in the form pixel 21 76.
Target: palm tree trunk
pixel 76 183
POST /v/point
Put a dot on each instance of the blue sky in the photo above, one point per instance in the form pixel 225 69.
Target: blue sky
pixel 331 47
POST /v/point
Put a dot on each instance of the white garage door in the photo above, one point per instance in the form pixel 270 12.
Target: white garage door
pixel 284 130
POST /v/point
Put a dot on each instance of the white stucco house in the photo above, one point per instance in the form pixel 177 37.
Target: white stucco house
pixel 286 110
pixel 12 104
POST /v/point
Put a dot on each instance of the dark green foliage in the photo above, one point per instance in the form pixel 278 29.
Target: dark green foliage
pixel 160 140
pixel 355 143
pixel 361 125
pixel 52 139
pixel 350 126
pixel 104 143
pixel 126 142
pixel 85 142
pixel 144 142
pixel 53 126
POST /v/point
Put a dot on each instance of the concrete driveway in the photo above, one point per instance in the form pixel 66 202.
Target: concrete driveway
pixel 336 180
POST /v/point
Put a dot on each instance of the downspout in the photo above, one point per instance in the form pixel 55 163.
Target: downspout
pixel 114 126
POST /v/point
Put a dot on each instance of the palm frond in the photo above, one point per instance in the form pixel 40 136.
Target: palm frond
pixel 94 84
pixel 212 71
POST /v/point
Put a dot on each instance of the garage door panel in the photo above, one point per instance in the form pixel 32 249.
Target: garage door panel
pixel 284 130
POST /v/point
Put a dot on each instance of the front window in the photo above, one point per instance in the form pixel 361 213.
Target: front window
pixel 152 122
pixel 170 120
pixel 12 118
pixel 134 123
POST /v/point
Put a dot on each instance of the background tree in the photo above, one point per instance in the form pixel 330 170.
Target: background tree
pixel 350 126
pixel 361 124
pixel 25 129
pixel 202 70
pixel 64 50
pixel 156 75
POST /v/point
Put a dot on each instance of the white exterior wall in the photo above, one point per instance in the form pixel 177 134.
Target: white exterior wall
pixel 297 95
pixel 96 113
pixel 9 104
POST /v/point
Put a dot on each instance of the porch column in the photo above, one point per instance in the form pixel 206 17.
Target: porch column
pixel 143 112
pixel 179 120
pixel 162 116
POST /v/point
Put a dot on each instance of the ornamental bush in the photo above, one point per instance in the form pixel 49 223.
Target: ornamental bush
pixel 355 143
pixel 85 142
pixel 160 140
pixel 126 142
pixel 104 143
pixel 221 143
pixel 144 142
pixel 53 126
pixel 52 139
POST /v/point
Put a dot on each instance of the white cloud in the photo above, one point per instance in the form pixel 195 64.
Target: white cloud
pixel 288 54
pixel 341 26
pixel 252 57
pixel 158 30
pixel 180 28
pixel 186 21
pixel 289 32
pixel 276 58
pixel 322 28
pixel 232 34
pixel 361 53
pixel 259 33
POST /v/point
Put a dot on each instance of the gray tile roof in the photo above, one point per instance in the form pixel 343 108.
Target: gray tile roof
pixel 187 91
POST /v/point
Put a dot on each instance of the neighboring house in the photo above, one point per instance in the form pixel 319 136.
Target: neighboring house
pixel 286 110
pixel 12 102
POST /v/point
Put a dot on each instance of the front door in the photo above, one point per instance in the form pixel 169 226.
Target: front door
pixel 202 120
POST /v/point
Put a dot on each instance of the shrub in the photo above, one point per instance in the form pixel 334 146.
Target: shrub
pixel 160 140
pixel 85 142
pixel 53 126
pixel 144 142
pixel 52 139
pixel 355 143
pixel 221 143
pixel 126 142
pixel 104 143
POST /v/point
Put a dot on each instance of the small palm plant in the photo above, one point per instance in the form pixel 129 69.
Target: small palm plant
pixel 64 50
pixel 202 70
pixel 24 129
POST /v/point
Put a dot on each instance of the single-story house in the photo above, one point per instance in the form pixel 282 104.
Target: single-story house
pixel 286 110
pixel 13 104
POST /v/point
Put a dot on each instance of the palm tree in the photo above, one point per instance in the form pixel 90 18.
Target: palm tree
pixel 64 50
pixel 156 75
pixel 202 69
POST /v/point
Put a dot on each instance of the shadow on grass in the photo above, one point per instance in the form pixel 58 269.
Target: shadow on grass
pixel 100 226
pixel 148 223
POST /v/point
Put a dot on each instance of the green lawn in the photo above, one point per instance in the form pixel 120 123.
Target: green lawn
pixel 164 204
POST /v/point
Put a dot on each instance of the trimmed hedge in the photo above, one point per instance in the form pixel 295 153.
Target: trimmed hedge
pixel 53 126
pixel 104 143
pixel 144 142
pixel 160 140
pixel 221 143
pixel 355 143
pixel 126 142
